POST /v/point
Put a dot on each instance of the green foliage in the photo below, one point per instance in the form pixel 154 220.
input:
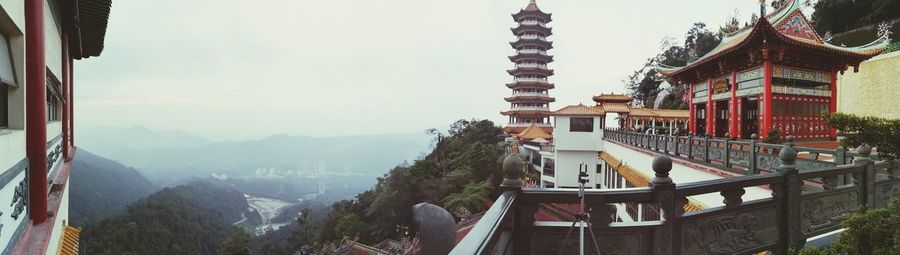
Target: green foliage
pixel 774 137
pixel 881 133
pixel 190 219
pixel 468 151
pixel 869 231
pixel 842 15
pixel 236 244
pixel 643 84
pixel 472 197
pixel 350 225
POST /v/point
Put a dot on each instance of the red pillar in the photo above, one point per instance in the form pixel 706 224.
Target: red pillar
pixel 36 110
pixel 733 121
pixel 66 102
pixel 767 99
pixel 833 106
pixel 710 115
pixel 72 103
pixel 693 122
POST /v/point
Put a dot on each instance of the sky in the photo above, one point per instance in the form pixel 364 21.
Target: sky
pixel 237 69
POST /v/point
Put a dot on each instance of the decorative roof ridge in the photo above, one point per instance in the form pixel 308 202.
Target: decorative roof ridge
pixel 769 17
pixel 881 42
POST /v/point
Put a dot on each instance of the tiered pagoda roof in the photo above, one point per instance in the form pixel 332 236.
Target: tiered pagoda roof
pixel 532 11
pixel 787 36
pixel 533 132
pixel 529 101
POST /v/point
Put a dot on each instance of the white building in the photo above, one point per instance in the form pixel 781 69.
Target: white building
pixel 39 41
pixel 578 133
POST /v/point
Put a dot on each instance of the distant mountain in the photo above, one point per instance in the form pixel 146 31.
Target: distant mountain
pixel 109 141
pixel 188 219
pixel 101 188
pixel 168 162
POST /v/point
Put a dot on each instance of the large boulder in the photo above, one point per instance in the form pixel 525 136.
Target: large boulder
pixel 436 228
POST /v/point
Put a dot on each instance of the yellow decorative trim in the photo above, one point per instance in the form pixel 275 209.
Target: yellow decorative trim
pixel 638 179
pixel 68 242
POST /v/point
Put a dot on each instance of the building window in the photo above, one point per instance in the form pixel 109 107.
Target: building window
pixel 54 98
pixel 4 106
pixel 7 79
pixel 581 125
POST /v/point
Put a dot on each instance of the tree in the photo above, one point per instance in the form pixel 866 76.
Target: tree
pixel 350 225
pixel 236 244
pixel 643 84
pixel 472 197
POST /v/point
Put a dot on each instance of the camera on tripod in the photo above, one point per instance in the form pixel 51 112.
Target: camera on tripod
pixel 583 174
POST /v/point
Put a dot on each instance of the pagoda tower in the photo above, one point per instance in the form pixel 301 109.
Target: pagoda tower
pixel 530 100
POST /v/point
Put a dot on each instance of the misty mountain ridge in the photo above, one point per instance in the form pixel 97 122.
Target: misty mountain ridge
pixel 102 188
pixel 170 156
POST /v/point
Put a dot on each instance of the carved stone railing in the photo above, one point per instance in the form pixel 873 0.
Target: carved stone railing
pixel 738 156
pixel 794 212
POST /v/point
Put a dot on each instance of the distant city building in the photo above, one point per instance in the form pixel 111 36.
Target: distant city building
pixel 530 99
pixel 39 43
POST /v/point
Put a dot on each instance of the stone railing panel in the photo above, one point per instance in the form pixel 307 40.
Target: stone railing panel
pixel 823 211
pixel 746 230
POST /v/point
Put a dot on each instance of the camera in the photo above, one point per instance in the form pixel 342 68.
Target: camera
pixel 583 174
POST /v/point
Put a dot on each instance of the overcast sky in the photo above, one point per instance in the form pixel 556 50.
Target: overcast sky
pixel 237 69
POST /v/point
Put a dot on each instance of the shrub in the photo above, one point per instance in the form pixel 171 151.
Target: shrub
pixel 881 133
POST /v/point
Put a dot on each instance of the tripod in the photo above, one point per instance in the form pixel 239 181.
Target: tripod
pixel 582 218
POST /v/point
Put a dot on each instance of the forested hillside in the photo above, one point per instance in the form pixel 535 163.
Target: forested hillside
pixel 469 153
pixel 188 219
pixel 102 188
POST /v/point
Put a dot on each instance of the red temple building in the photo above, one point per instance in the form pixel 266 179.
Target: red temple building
pixel 776 74
pixel 530 100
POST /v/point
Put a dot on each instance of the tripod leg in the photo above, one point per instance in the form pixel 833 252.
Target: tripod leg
pixel 562 250
pixel 593 238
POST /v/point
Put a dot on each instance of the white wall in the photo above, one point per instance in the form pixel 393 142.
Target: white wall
pixel 12 148
pixel 52 42
pixel 567 163
pixel 563 139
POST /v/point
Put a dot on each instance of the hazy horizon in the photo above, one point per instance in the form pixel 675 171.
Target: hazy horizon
pixel 237 70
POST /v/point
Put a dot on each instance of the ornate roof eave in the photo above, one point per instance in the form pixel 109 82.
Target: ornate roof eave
pixel 531 99
pixel 522 27
pixel 530 70
pixel 535 56
pixel 532 9
pixel 546 44
pixel 527 112
pixel 530 84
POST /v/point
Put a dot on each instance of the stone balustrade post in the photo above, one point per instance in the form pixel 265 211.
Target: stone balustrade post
pixel 751 164
pixel 513 170
pixel 706 150
pixel 866 178
pixel 666 238
pixel 727 156
pixel 690 146
pixel 677 140
pixel 788 195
